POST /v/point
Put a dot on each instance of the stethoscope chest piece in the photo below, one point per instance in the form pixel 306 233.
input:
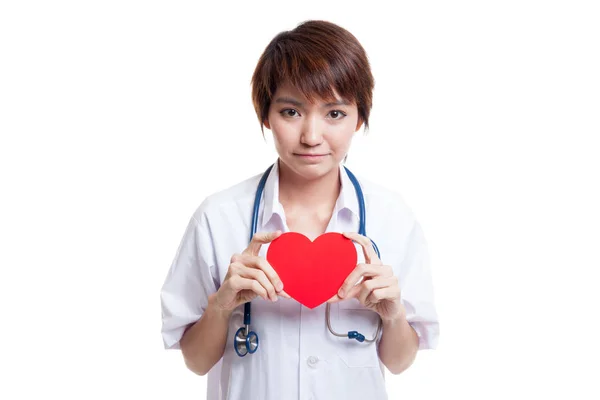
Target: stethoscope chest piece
pixel 245 340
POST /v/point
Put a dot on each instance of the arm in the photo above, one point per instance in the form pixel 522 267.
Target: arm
pixel 248 276
pixel 203 343
pixel 380 291
pixel 398 345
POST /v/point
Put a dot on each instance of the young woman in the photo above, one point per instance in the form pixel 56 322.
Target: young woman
pixel 312 88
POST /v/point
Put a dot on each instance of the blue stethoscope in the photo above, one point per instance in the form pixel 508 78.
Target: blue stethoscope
pixel 245 340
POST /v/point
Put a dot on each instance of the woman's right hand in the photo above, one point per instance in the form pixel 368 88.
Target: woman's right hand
pixel 250 276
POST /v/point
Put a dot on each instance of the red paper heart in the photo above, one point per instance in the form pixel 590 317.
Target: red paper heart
pixel 312 272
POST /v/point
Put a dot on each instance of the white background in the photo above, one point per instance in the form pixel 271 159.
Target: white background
pixel 116 117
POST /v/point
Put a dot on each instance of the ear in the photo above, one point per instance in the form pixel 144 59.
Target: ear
pixel 359 124
pixel 266 124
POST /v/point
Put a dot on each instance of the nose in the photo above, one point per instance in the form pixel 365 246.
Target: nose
pixel 311 132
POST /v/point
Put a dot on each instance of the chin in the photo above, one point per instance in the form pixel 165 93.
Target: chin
pixel 311 170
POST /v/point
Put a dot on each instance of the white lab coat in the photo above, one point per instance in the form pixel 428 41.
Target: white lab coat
pixel 297 358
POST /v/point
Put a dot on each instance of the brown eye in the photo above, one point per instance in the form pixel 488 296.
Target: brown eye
pixel 289 112
pixel 336 114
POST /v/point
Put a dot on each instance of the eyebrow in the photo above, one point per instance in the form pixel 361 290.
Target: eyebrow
pixel 299 104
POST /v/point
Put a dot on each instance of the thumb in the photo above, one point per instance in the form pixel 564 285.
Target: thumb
pixel 334 299
pixel 259 239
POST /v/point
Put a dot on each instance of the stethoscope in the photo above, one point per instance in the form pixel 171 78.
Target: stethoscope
pixel 245 340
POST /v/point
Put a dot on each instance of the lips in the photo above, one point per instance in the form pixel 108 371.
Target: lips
pixel 310 159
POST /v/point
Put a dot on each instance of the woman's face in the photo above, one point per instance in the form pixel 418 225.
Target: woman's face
pixel 311 138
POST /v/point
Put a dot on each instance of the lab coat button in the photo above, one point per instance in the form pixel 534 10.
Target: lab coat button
pixel 312 361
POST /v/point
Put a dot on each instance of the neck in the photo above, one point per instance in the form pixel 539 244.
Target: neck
pixel 317 194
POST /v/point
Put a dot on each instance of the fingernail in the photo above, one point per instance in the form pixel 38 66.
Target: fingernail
pixel 275 298
pixel 341 293
pixel 279 287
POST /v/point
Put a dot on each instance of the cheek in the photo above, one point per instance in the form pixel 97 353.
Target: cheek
pixel 340 145
pixel 277 126
pixel 283 136
pixel 283 130
pixel 276 121
pixel 341 137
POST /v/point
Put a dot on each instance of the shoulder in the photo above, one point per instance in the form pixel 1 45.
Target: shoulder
pixel 226 200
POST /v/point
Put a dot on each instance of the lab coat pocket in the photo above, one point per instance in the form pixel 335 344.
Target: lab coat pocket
pixel 352 316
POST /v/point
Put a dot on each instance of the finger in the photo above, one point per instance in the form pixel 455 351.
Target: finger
pixel 361 270
pixel 334 299
pixel 284 294
pixel 258 240
pixel 257 275
pixel 369 286
pixel 387 293
pixel 238 283
pixel 263 265
pixel 353 292
pixel 367 247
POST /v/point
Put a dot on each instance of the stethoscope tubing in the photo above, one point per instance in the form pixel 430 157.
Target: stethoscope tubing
pixel 245 340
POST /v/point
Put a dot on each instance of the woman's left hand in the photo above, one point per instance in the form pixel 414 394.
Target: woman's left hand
pixel 379 290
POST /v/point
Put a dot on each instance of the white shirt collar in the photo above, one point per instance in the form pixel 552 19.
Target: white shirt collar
pixel 271 205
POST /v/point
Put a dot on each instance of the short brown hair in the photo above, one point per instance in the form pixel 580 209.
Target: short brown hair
pixel 315 57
